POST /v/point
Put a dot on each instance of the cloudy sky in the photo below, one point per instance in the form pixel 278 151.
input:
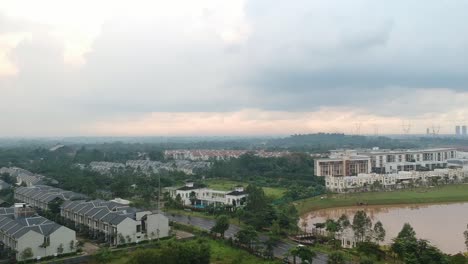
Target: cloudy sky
pixel 231 67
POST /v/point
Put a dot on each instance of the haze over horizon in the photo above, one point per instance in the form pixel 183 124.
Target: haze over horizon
pixel 236 67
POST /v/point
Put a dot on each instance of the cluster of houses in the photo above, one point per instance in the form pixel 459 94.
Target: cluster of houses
pixel 148 166
pixel 29 235
pixel 23 177
pixel 213 154
pixel 201 197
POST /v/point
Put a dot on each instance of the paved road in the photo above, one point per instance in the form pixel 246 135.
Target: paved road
pixel 206 224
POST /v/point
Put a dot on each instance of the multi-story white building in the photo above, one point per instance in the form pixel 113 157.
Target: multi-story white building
pixel 116 223
pixel 391 161
pixel 342 184
pixel 205 196
pixel 352 162
pixel 342 163
pixel 23 231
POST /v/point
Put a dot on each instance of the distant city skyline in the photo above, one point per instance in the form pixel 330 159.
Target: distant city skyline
pixel 236 67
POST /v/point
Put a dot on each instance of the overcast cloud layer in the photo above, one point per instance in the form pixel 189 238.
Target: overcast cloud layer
pixel 231 67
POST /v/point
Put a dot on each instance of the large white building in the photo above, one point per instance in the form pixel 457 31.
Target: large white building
pixel 116 223
pixel 352 162
pixel 343 184
pixel 206 196
pixel 23 231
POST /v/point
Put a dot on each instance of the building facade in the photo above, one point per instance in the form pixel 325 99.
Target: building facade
pixel 115 223
pixel 203 197
pixel 22 230
pixel 352 162
pixel 344 184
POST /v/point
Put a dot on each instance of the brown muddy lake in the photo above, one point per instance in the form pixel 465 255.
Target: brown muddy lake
pixel 442 224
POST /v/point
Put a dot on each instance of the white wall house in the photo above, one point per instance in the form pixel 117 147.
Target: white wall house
pixel 207 196
pixel 21 229
pixel 117 223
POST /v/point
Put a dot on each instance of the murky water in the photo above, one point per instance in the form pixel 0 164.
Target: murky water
pixel 442 224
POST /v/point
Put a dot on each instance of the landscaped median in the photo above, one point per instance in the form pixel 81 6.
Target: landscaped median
pixel 438 194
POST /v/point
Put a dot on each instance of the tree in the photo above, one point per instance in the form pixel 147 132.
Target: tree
pixel 416 251
pixel 72 245
pixel 344 221
pixel 221 225
pixel 336 257
pixel 27 253
pixel 60 249
pixel 304 253
pixel 379 232
pixel 247 236
pixel 466 237
pixel 361 226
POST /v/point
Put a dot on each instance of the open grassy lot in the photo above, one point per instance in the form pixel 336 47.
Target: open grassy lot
pixel 221 253
pixel 441 194
pixel 224 254
pixel 225 185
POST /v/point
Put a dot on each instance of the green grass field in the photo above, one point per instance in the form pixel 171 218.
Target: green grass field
pixel 225 185
pixel 221 253
pixel 442 194
pixel 224 254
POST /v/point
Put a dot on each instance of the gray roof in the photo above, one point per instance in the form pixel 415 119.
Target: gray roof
pixel 46 194
pixel 106 211
pixel 18 227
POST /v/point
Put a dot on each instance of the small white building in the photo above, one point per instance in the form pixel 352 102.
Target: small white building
pixel 206 196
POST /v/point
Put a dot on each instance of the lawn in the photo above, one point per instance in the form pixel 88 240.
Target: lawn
pixel 226 185
pixel 441 194
pixel 221 253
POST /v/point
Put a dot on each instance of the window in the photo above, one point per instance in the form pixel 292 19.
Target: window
pixel 138 228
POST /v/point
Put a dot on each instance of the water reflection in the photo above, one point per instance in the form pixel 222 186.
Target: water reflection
pixel 442 224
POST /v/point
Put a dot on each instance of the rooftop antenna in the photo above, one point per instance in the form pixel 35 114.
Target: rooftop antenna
pixel 358 128
pixel 376 130
pixel 406 126
pixel 435 130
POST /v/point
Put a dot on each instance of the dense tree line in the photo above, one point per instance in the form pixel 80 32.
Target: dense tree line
pixel 294 171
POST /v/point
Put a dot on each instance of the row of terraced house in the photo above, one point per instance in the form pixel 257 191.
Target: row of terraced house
pixel 113 221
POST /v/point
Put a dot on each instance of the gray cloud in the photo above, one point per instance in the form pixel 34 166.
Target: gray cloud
pixel 300 56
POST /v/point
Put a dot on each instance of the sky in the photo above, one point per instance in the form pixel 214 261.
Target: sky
pixel 232 67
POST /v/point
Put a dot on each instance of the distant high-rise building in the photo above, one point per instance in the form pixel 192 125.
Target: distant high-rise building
pixel 428 131
pixel 457 130
pixel 464 130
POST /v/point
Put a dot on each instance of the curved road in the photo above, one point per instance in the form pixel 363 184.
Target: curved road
pixel 206 224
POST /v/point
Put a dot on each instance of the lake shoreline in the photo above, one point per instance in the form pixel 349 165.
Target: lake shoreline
pixel 446 194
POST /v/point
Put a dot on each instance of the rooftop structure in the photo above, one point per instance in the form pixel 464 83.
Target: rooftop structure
pixel 25 177
pixel 20 229
pixel 42 196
